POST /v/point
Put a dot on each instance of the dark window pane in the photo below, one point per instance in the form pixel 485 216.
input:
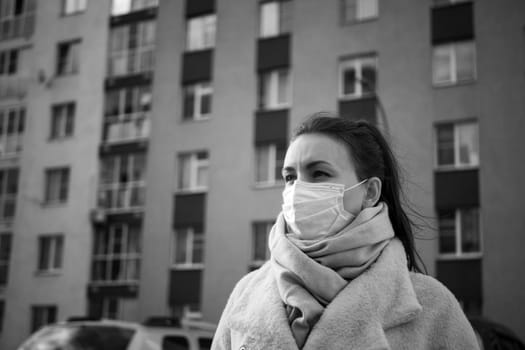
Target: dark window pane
pixel 349 79
pixel 205 343
pixel 175 343
pixel 369 79
pixel 447 232
pixel 445 144
pixel 206 104
pixel 470 235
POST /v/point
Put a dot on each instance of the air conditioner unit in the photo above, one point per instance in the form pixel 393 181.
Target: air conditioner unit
pixel 98 216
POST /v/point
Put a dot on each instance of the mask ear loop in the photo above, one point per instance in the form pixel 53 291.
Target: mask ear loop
pixel 354 186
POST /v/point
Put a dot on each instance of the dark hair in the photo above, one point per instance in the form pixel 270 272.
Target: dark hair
pixel 372 157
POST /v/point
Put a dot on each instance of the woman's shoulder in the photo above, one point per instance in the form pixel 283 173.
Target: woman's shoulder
pixel 429 290
pixel 251 280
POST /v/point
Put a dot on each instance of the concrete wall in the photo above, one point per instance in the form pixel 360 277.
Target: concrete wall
pixel 67 289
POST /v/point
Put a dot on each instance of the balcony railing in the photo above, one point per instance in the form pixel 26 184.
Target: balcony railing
pixel 7 207
pixel 140 60
pixel 122 196
pixel 10 145
pixel 13 86
pixel 127 128
pixel 16 27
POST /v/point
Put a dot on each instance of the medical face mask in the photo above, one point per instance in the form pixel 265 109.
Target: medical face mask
pixel 316 210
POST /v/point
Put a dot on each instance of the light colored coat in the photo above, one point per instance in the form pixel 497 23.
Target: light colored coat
pixel 386 307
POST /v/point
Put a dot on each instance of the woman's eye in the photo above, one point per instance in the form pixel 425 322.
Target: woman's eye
pixel 288 178
pixel 319 173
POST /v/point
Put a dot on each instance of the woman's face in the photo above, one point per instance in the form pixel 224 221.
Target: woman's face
pixel 319 158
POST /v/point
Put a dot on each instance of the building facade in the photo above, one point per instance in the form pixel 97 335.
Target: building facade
pixel 141 144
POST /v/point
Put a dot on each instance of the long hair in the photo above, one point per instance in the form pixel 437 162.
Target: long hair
pixel 372 156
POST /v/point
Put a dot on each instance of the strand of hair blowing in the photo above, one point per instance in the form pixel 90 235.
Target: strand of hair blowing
pixel 373 157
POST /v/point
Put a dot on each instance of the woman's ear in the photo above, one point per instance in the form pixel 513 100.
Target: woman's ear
pixel 373 192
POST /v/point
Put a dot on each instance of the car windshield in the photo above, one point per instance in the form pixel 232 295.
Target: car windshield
pixel 80 337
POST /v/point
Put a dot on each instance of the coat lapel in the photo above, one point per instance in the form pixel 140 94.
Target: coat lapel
pixel 380 298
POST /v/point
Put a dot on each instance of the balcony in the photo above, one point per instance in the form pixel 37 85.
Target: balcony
pixel 127 128
pixel 13 87
pixel 19 26
pixel 10 145
pixel 7 207
pixel 120 197
pixel 140 60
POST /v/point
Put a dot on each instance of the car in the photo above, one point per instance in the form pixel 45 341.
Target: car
pixel 155 334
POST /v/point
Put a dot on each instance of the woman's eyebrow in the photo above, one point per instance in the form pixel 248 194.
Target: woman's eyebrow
pixel 316 163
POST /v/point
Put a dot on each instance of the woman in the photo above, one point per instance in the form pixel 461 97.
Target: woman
pixel 342 273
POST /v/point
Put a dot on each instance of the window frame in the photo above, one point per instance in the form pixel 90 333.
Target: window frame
pixel 256 263
pixel 268 94
pixel 200 90
pixel 9 64
pixel 190 238
pixel 15 136
pixel 76 7
pixel 63 66
pixel 62 121
pixel 146 4
pixel 457 165
pixel 5 236
pixel 55 256
pixel 50 314
pixel 281 17
pixel 125 258
pixel 357 4
pixel 123 164
pixel 206 39
pixel 357 63
pixel 459 254
pixel 272 178
pixel 194 165
pixel 5 194
pixel 451 49
pixel 63 171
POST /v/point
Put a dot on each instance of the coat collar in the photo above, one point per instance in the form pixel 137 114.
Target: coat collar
pixel 380 298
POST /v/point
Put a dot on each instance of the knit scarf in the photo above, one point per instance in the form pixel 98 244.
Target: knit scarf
pixel 310 273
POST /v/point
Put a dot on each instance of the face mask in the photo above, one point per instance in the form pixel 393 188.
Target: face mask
pixel 315 210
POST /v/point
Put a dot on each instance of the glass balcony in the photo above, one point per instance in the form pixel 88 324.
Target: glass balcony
pixel 122 196
pixel 13 87
pixel 10 145
pixel 7 207
pixel 19 26
pixel 137 61
pixel 127 128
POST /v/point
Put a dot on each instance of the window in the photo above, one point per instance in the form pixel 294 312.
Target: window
pixel 260 251
pixel 17 18
pixel 8 192
pixel 200 32
pixel 359 10
pixel 110 308
pixel 12 124
pixel 50 252
pixel 127 115
pixel 459 232
pixel 121 7
pixel 193 171
pixel 269 160
pixel 457 145
pixel 189 248
pixel 62 120
pixel 2 312
pixel 274 89
pixel 197 101
pixel 57 183
pixel 116 257
pixel 357 77
pixel 42 315
pixel 178 342
pixel 9 62
pixel 5 254
pixel 122 181
pixel 132 48
pixel 454 63
pixel 73 6
pixel 68 55
pixel 274 18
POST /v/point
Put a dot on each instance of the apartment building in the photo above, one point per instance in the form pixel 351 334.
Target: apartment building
pixel 141 144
